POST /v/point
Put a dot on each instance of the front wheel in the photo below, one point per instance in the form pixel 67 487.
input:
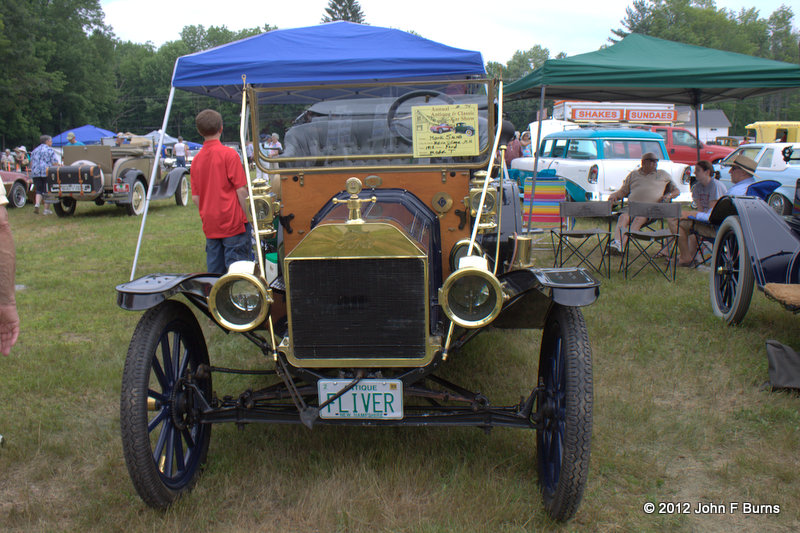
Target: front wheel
pixel 65 207
pixel 563 443
pixel 18 196
pixel 164 444
pixel 182 192
pixel 732 279
pixel 138 197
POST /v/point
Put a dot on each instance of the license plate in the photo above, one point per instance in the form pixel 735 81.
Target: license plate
pixel 370 398
pixel 71 187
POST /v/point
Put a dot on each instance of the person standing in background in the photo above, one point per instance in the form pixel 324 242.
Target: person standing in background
pixel 181 151
pixel 43 156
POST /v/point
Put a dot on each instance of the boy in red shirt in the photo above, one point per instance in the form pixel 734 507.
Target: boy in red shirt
pixel 219 189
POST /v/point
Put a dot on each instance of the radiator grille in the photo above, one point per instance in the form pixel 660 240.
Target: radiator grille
pixel 358 308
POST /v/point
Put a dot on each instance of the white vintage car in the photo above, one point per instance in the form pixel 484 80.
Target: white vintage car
pixel 770 166
pixel 595 161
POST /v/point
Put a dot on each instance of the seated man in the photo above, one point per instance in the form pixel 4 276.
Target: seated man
pixel 742 175
pixel 644 184
pixel 705 194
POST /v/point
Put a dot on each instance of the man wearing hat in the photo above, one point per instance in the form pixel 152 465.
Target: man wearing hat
pixel 742 171
pixel 72 141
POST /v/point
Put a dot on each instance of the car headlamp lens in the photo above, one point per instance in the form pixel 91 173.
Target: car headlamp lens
pixel 239 301
pixel 471 296
pixel 244 295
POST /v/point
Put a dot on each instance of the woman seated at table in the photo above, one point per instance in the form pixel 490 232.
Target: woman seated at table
pixel 705 194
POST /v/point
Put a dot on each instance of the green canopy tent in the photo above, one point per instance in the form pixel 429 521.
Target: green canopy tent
pixel 642 68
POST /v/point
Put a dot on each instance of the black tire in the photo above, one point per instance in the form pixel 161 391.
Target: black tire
pixel 563 445
pixel 182 192
pixel 732 281
pixel 780 203
pixel 165 447
pixel 65 207
pixel 138 198
pixel 18 196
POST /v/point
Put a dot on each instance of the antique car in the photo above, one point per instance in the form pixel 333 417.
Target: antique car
pixel 113 174
pixel 595 160
pixel 466 129
pixel 395 247
pixel 441 128
pixel 19 188
pixel 770 166
pixel 754 246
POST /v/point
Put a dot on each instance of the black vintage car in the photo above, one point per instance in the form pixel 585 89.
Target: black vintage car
pixel 754 246
pixel 396 246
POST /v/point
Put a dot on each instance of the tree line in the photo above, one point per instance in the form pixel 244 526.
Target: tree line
pixel 62 67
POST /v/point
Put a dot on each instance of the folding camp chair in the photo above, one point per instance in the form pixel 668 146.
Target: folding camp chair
pixel 584 243
pixel 540 206
pixel 646 240
pixel 705 232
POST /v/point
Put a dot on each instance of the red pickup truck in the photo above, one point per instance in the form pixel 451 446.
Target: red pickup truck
pixel 682 145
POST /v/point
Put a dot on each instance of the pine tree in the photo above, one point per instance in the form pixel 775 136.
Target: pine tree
pixel 349 10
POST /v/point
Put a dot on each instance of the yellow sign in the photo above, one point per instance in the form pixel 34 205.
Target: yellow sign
pixel 445 130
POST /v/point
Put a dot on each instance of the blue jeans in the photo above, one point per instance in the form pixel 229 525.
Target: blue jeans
pixel 220 253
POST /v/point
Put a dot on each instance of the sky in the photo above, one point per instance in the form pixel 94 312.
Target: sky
pixel 497 32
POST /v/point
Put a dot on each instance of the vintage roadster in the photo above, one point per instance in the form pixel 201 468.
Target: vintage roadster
pixel 113 174
pixel 755 246
pixel 396 246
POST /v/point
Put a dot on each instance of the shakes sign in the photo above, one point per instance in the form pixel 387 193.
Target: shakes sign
pixel 615 112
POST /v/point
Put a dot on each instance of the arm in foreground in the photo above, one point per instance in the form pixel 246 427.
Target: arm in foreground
pixel 9 319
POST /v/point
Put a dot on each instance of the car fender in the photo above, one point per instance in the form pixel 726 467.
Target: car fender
pixel 771 243
pixel 173 180
pixel 532 291
pixel 149 291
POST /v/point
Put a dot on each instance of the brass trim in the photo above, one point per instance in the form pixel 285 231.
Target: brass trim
pixel 264 292
pixel 373 240
pixel 475 267
pixel 491 85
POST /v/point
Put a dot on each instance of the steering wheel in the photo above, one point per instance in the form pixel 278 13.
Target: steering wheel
pixel 390 115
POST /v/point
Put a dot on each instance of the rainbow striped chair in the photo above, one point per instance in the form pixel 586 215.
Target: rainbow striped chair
pixel 540 205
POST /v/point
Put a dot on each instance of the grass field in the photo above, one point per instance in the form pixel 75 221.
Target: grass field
pixel 681 414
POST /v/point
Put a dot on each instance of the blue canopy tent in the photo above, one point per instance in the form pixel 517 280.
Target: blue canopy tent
pixel 332 54
pixel 87 134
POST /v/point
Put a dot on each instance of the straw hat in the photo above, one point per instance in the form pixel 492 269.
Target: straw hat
pixel 21 149
pixel 745 163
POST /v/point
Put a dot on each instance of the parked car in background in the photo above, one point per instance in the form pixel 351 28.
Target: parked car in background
pixel 727 140
pixel 769 166
pixel 19 188
pixel 112 174
pixel 595 161
pixel 682 145
pixel 774 131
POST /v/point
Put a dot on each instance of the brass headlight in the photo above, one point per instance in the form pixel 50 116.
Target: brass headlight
pixel 239 300
pixel 461 249
pixel 471 296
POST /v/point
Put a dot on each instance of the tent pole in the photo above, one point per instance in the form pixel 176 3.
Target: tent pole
pixel 696 98
pixel 156 162
pixel 535 155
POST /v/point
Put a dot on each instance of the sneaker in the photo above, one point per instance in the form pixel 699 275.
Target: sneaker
pixel 616 247
pixel 47 212
pixel 36 210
